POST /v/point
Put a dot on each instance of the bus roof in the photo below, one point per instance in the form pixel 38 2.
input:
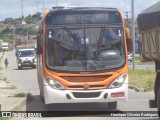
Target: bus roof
pixel 82 8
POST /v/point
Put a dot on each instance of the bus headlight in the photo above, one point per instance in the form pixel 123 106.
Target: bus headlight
pixel 118 82
pixel 54 84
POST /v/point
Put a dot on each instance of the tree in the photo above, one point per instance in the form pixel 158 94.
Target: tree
pixel 7 31
pixel 8 20
pixel 1 33
pixel 29 19
pixel 18 42
pixel 37 16
pixel 21 31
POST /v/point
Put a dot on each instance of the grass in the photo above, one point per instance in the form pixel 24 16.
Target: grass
pixel 27 95
pixel 138 58
pixel 4 118
pixel 9 88
pixel 20 94
pixel 3 78
pixel 142 79
pixel 146 63
pixel 1 57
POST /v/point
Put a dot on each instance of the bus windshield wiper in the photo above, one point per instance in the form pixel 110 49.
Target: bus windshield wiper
pixel 71 34
pixel 100 37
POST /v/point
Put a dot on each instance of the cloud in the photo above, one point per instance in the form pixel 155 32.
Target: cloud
pixel 141 5
pixel 12 8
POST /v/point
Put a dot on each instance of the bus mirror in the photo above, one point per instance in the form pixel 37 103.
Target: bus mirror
pixel 128 40
pixel 41 32
pixel 39 50
pixel 39 47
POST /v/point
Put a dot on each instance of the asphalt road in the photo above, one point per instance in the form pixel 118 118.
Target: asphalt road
pixel 26 80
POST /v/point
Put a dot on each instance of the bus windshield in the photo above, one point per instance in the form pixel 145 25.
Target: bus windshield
pixel 85 48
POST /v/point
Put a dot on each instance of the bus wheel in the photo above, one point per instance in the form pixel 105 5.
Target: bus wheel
pixel 112 105
pixel 158 102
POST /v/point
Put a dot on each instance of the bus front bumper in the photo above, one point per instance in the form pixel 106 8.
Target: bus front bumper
pixel 85 96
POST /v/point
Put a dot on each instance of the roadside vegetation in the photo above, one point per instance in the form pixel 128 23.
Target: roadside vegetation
pixel 5 83
pixel 142 79
pixel 138 58
pixel 4 118
pixel 11 87
pixel 22 94
pixel 13 29
pixel 1 57
pixel 139 62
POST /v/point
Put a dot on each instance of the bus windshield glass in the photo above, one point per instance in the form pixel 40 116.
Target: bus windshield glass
pixel 90 44
pixel 85 49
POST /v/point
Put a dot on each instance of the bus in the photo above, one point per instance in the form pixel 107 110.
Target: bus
pixel 82 56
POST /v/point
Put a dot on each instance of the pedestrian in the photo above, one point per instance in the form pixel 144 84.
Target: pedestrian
pixel 6 62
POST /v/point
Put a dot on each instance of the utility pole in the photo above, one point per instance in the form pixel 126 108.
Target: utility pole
pixel 27 35
pixel 37 4
pixel 22 9
pixel 14 37
pixel 133 32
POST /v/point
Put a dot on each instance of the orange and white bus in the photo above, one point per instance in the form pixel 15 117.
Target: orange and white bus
pixel 82 56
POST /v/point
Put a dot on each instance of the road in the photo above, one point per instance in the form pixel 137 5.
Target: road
pixel 26 81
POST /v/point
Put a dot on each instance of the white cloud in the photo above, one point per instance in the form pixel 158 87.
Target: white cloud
pixel 12 8
pixel 141 5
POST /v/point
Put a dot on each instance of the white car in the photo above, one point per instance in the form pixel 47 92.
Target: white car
pixel 26 58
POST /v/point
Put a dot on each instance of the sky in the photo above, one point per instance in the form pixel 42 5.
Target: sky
pixel 13 9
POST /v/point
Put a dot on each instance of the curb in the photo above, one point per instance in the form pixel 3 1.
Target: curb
pixel 18 105
pixel 137 89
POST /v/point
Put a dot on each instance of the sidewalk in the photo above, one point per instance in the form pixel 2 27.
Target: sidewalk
pixel 7 90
